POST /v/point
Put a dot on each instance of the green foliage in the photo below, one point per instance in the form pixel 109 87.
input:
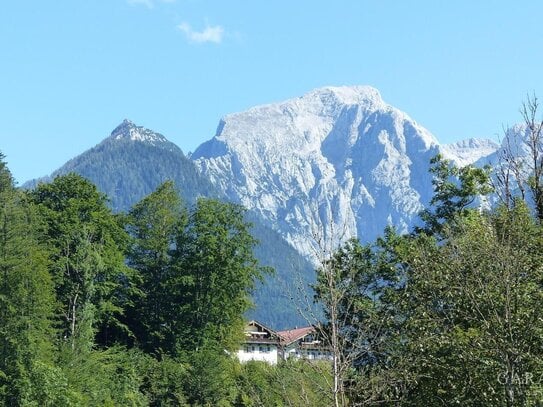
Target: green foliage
pixel 347 281
pixel 357 288
pixel 216 275
pixel 26 302
pixel 199 267
pixel 85 243
pixel 112 377
pixel 164 381
pixel 211 380
pixel 290 383
pixel 6 179
pixel 154 224
pixel 455 189
pixel 68 295
pixel 449 319
pixel 474 318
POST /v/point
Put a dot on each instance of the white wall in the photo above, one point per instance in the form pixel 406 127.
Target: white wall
pixel 258 352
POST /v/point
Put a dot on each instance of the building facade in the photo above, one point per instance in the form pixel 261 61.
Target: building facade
pixel 261 343
pixel 266 345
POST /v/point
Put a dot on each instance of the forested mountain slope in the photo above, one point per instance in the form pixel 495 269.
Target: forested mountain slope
pixel 133 161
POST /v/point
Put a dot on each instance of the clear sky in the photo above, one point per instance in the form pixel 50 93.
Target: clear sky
pixel 71 70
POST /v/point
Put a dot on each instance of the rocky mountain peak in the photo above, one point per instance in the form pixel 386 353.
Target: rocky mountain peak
pixel 347 95
pixel 334 159
pixel 128 130
pixel 469 151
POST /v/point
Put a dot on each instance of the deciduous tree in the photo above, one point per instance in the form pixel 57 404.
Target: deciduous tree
pixel 85 243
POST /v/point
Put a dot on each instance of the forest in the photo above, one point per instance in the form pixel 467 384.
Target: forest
pixel 449 314
pixel 147 307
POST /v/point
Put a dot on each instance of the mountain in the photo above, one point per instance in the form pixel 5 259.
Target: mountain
pixel 469 151
pixel 513 156
pixel 133 161
pixel 334 163
pixel 516 140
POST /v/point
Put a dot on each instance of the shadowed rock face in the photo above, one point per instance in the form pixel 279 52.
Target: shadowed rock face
pixel 337 160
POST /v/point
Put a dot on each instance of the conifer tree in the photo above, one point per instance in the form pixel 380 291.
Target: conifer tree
pixel 27 374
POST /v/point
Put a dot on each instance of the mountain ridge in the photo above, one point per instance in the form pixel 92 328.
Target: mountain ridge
pixel 334 163
pixel 130 163
pixel 133 161
pixel 334 159
pixel 338 157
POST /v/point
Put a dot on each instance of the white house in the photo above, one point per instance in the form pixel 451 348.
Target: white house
pixel 303 343
pixel 264 344
pixel 261 343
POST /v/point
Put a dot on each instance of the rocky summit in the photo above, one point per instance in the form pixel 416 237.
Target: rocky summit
pixel 335 163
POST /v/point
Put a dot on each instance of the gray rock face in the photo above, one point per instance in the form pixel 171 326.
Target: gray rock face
pixel 336 162
pixel 469 151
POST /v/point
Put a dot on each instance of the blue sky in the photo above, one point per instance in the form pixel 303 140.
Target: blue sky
pixel 71 70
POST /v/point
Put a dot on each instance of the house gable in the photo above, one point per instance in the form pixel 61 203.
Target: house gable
pixel 261 343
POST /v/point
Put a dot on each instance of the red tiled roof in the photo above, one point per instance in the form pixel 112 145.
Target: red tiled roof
pixel 292 335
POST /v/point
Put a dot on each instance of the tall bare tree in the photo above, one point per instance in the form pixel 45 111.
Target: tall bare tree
pixel 520 170
pixel 349 321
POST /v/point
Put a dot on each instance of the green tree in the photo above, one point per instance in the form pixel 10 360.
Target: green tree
pixel 474 327
pixel 27 373
pixel 448 321
pixel 358 289
pixel 196 270
pixel 445 316
pixel 196 273
pixel 455 190
pixel 216 275
pixel 85 243
pixel 154 225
